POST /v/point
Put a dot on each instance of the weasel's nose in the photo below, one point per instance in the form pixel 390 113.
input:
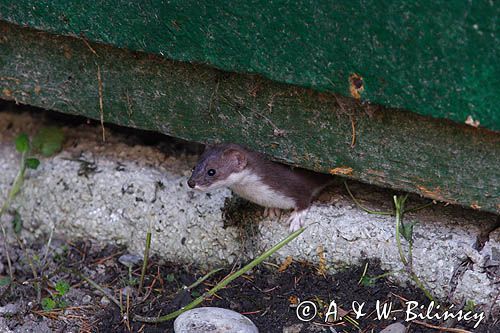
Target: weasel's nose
pixel 191 183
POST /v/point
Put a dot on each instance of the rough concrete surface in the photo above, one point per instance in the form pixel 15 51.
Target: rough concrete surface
pixel 456 251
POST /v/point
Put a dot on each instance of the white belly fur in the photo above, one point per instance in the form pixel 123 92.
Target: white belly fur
pixel 250 186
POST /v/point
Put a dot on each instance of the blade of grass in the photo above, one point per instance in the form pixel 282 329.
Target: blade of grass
pixel 223 283
pixel 145 259
pixel 33 269
pixel 364 273
pixel 98 287
pixel 399 204
pixel 414 209
pixel 369 211
pixel 203 278
pixel 16 186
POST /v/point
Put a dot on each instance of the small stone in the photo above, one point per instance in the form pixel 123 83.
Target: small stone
pixel 86 299
pixel 3 326
pixel 34 326
pixel 127 291
pixel 9 310
pixel 129 260
pixel 104 301
pixel 394 328
pixel 213 320
pixel 293 328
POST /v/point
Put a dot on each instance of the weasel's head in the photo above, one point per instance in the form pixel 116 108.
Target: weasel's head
pixel 217 167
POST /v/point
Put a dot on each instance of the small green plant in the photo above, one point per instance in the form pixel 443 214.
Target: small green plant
pixel 17 223
pixel 407 232
pixel 62 287
pixel 60 256
pixel 132 281
pixel 369 280
pixel 55 300
pixel 48 304
pixel 22 144
pixel 47 142
pixel 404 230
pixel 170 277
pixel 470 306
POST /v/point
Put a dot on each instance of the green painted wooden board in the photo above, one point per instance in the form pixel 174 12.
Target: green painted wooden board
pixel 393 148
pixel 434 57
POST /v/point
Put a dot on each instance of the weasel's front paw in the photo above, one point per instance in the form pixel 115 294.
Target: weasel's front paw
pixel 297 220
pixel 272 212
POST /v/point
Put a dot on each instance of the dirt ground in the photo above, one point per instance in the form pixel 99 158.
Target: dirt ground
pixel 267 295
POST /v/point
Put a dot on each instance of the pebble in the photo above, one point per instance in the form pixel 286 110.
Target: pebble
pixel 213 320
pixel 127 291
pixel 104 301
pixel 3 326
pixel 129 260
pixel 86 299
pixel 9 309
pixel 297 328
pixel 394 328
pixel 35 327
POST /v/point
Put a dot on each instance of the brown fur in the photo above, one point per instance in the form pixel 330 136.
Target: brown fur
pixel 300 184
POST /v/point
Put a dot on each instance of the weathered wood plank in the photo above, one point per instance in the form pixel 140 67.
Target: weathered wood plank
pixel 393 148
pixel 434 57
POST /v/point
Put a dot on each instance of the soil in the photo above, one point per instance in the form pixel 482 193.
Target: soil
pixel 268 295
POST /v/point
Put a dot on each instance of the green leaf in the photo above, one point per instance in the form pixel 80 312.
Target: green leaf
pixel 32 163
pixel 170 277
pixel 62 287
pixel 22 143
pixel 470 306
pixel 17 223
pixel 4 281
pixel 48 140
pixel 48 304
pixel 407 231
pixel 368 281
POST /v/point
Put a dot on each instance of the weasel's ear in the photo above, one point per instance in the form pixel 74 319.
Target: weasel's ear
pixel 236 158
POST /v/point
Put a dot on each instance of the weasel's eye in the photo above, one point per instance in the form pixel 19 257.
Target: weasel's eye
pixel 211 172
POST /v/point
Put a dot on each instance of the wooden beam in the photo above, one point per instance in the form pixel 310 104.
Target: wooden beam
pixel 324 132
pixel 433 57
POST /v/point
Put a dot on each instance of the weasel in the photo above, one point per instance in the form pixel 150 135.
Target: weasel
pixel 254 177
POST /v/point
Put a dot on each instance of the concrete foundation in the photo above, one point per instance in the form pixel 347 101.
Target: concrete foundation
pixel 113 191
